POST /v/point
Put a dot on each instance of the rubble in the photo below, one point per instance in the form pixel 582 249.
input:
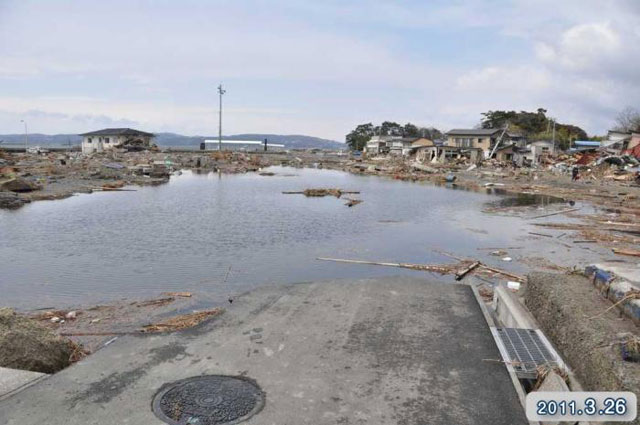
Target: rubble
pixel 25 344
pixel 19 185
pixel 56 175
pixel 316 193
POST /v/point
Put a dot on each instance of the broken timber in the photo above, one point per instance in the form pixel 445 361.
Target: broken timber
pixel 629 252
pixel 438 268
pixel 556 213
pixel 462 273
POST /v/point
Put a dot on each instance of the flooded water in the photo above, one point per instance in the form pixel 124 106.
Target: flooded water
pixel 223 235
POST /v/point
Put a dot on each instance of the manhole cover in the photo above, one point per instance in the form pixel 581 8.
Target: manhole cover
pixel 208 400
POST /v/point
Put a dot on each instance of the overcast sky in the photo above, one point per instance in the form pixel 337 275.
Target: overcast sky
pixel 312 67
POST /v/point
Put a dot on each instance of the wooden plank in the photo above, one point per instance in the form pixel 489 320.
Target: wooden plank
pixel 462 273
pixel 629 252
pixel 555 213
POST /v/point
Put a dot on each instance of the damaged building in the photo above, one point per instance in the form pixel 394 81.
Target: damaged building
pixel 111 138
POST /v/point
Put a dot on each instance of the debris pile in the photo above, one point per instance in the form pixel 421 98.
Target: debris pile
pixel 183 321
pixel 25 344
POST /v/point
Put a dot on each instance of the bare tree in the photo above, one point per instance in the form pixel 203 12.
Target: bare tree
pixel 628 120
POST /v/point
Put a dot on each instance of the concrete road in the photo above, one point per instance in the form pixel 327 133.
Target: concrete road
pixel 378 351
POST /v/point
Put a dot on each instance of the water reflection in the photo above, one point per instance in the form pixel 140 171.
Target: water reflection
pixel 184 236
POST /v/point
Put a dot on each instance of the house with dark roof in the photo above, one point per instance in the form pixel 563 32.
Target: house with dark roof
pixel 110 138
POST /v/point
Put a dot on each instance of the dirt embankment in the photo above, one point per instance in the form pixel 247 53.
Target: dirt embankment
pixel 586 331
pixel 48 341
pixel 26 344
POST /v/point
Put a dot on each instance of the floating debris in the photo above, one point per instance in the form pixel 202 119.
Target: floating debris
pixel 182 322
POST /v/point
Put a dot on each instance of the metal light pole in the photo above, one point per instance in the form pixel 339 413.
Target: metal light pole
pixel 221 91
pixel 26 135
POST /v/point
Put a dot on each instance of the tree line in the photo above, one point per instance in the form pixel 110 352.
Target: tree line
pixel 532 125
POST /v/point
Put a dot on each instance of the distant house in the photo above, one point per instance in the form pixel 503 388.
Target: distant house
pixel 505 153
pixel 378 145
pixel 405 146
pixel 539 150
pixel 441 153
pixel 480 138
pixel 110 138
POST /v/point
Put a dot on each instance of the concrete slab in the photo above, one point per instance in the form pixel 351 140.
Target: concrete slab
pixel 12 380
pixel 376 351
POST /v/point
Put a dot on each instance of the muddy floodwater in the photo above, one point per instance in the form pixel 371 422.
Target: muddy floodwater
pixel 219 236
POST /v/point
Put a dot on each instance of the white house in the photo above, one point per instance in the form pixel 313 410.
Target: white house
pixel 541 149
pixel 401 145
pixel 379 144
pixel 110 138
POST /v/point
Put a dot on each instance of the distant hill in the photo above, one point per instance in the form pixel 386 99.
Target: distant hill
pixel 178 140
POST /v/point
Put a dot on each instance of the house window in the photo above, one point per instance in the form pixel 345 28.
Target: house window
pixel 106 140
pixel 89 140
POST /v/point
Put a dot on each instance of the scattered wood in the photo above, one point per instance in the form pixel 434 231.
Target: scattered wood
pixel 556 213
pixel 97 333
pixel 353 202
pixel 618 223
pixel 462 273
pixel 502 272
pixel 484 266
pixel 156 302
pixel 111 189
pixel 507 248
pixel 541 234
pixel 586 241
pixel 629 252
pixel 178 294
pixel 182 322
pixel 322 192
pixel 438 268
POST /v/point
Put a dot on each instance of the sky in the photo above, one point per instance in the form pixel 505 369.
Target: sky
pixel 312 67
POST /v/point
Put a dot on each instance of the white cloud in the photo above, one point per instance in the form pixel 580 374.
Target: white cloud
pixel 321 67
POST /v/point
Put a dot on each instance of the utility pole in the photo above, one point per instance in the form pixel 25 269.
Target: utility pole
pixel 553 137
pixel 26 135
pixel 506 127
pixel 221 91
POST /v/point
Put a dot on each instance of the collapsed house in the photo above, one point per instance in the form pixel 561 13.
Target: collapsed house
pixel 619 143
pixel 483 138
pixel 432 152
pixel 112 138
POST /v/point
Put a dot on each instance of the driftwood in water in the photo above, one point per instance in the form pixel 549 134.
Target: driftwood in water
pixel 484 266
pixel 438 268
pixel 462 273
pixel 322 192
pixel 556 213
pixel 629 252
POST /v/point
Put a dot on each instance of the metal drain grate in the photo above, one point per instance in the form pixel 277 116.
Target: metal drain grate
pixel 525 350
pixel 208 400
